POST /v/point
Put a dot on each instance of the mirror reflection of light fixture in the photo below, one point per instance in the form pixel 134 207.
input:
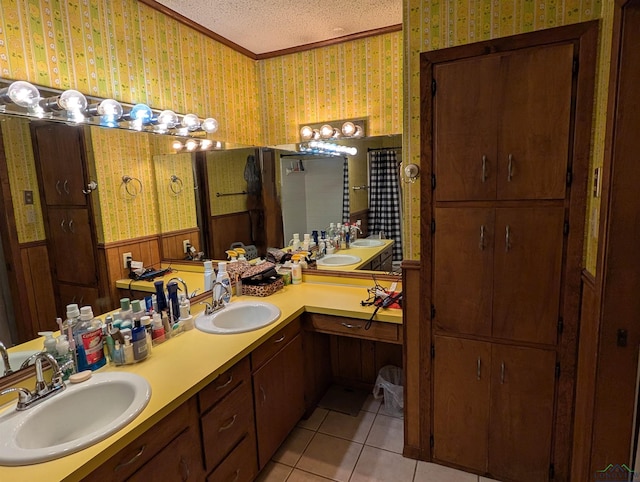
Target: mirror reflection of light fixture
pixel 209 125
pixel 192 145
pixel 328 148
pixel 191 122
pixel 20 93
pixel 354 128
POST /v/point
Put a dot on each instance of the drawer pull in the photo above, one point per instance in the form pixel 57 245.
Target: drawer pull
pixel 280 340
pixel 350 326
pixel 264 394
pixel 229 425
pixel 186 473
pixel 58 187
pixel 226 384
pixel 236 474
pixel 131 460
pixel 65 186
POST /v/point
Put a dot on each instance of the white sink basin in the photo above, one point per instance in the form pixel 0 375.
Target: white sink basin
pixel 16 359
pixel 81 415
pixel 238 317
pixel 366 243
pixel 338 260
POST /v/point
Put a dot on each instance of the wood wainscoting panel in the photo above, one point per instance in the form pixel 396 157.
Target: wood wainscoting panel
pixel 39 291
pixel 227 229
pixel 145 249
pixel 171 244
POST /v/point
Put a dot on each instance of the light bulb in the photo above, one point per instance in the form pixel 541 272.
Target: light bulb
pixel 306 133
pixel 210 125
pixel 348 129
pixel 191 145
pixel 111 108
pixel 191 122
pixel 20 93
pixel 205 144
pixel 141 113
pixel 177 145
pixel 168 118
pixel 326 131
pixel 359 132
pixel 72 101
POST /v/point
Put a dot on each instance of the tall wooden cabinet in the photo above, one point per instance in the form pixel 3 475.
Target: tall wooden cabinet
pixel 504 184
pixel 59 152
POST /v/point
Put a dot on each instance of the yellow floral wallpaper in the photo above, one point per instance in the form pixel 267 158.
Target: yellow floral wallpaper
pixel 176 199
pixel 225 171
pixel 361 78
pixel 22 173
pixel 435 24
pixel 133 53
pixel 115 153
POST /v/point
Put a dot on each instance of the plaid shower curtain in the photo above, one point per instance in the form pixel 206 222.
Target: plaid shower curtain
pixel 346 210
pixel 384 198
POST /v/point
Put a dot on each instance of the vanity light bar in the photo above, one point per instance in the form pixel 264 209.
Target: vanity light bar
pixel 321 147
pixel 23 98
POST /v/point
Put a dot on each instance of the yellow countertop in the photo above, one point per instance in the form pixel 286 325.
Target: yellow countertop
pixel 182 366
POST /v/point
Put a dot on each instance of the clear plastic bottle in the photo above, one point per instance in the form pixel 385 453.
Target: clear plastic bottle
pixel 225 280
pixel 126 313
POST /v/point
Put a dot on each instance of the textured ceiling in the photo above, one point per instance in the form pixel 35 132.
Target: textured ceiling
pixel 269 25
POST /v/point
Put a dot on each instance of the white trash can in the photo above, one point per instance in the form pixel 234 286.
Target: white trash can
pixel 389 388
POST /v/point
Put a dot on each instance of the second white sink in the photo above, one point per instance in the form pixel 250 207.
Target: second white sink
pixel 238 317
pixel 338 260
pixel 366 243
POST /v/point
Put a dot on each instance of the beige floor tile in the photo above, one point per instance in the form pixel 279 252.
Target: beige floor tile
pixel 302 476
pixel 330 457
pixel 291 449
pixel 371 404
pixel 378 465
pixel 387 433
pixel 315 420
pixel 428 472
pixel 274 472
pixel 345 426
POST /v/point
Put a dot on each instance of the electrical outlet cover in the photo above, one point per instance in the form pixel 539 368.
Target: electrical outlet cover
pixel 185 243
pixel 126 257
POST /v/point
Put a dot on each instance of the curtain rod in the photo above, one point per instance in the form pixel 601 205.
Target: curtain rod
pixel 369 149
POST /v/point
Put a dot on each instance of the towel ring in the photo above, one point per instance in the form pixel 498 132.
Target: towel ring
pixel 131 191
pixel 175 184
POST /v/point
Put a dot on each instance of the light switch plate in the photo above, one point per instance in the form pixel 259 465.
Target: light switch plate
pixel 126 257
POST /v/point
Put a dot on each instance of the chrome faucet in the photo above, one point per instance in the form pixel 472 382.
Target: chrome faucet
pixel 43 390
pixel 216 305
pixel 5 359
pixel 184 285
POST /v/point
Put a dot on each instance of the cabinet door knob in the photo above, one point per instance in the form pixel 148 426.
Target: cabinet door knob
pixel 510 168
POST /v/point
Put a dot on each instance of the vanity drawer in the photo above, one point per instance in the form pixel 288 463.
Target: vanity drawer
pixel 337 325
pixel 240 465
pixel 224 384
pixel 226 423
pixel 273 344
pixel 135 455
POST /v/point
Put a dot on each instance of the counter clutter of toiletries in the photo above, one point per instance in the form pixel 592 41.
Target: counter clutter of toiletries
pixel 189 362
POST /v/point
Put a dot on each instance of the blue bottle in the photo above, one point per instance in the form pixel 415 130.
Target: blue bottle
pixel 172 289
pixel 139 337
pixel 161 299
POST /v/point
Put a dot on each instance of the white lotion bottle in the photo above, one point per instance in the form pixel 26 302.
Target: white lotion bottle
pixel 208 276
pixel 224 279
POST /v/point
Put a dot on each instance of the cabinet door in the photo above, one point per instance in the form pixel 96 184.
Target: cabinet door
pixel 463 270
pixel 278 388
pixel 73 256
pixel 461 384
pixel 59 151
pixel 178 461
pixel 527 272
pixel 464 129
pixel 521 419
pixel 535 121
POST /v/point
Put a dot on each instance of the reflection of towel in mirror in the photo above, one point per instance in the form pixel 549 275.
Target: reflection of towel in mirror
pixel 254 201
pixel 252 176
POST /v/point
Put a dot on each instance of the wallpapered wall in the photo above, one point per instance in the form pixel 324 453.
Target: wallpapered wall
pixel 361 78
pixel 176 200
pixel 436 24
pixel 133 53
pixel 225 171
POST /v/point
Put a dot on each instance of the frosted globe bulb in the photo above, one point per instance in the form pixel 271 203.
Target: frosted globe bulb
pixel 210 125
pixel 191 122
pixel 205 144
pixel 326 131
pixel 141 113
pixel 111 108
pixel 21 93
pixel 177 145
pixel 191 145
pixel 348 129
pixel 168 118
pixel 306 133
pixel 72 101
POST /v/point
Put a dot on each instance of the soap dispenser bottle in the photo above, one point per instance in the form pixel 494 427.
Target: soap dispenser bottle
pixel 49 342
